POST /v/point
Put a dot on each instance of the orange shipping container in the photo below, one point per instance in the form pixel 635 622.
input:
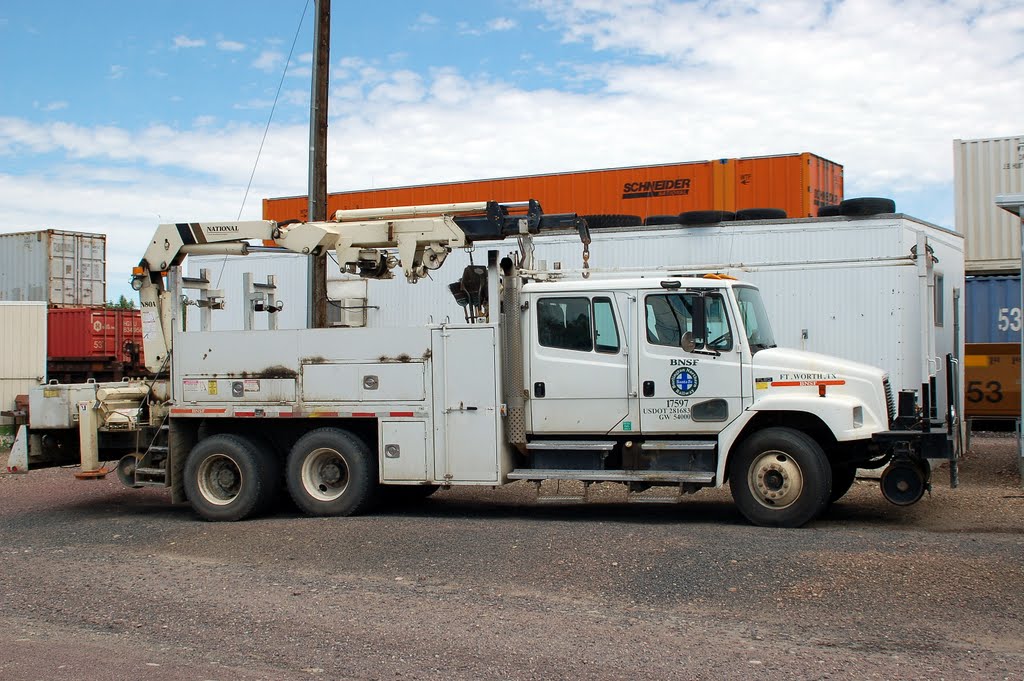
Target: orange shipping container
pixel 992 376
pixel 796 183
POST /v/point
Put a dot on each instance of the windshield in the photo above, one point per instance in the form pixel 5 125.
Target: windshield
pixel 754 318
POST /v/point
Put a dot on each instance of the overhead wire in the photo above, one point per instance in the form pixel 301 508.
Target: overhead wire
pixel 270 118
pixel 266 130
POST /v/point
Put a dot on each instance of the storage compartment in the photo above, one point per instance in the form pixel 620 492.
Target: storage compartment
pixel 403 451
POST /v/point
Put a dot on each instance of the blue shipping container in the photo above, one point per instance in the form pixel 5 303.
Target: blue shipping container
pixel 993 311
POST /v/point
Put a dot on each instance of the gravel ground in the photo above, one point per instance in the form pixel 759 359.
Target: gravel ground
pixel 102 582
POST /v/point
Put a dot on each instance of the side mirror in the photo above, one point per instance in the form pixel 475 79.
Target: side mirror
pixel 687 343
pixel 699 335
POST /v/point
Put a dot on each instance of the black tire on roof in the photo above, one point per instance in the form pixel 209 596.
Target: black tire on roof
pixel 761 214
pixel 607 221
pixel 706 217
pixel 867 205
pixel 828 211
pixel 662 220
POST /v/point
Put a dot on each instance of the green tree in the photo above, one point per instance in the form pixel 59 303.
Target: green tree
pixel 122 304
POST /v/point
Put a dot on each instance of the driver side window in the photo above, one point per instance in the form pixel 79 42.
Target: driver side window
pixel 670 315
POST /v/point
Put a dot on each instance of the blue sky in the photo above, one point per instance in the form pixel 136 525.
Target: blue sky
pixel 116 116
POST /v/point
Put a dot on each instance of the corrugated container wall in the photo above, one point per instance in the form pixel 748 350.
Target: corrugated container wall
pixel 56 267
pixel 992 379
pixel 23 359
pixel 797 183
pixel 993 309
pixel 983 169
pixel 93 333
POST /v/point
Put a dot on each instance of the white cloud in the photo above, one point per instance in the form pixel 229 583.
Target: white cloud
pixel 425 22
pixel 498 24
pixel 184 42
pixel 269 60
pixel 876 88
pixel 54 106
pixel 117 71
pixel 502 24
pixel 230 46
pixel 402 86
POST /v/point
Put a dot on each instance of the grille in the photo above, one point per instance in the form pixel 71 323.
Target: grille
pixel 890 403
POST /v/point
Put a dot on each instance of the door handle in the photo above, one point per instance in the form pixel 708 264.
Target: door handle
pixel 538 389
pixel 648 388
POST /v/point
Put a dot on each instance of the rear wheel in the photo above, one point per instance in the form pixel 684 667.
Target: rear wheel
pixel 780 477
pixel 331 472
pixel 228 478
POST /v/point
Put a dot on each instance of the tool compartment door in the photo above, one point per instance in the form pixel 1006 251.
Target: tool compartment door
pixel 466 404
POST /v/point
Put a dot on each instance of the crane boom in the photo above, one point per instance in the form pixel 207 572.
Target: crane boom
pixel 360 240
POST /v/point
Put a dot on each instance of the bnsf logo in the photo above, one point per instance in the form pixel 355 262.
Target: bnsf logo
pixel 679 186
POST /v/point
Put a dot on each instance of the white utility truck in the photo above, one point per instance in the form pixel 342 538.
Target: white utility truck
pixel 662 381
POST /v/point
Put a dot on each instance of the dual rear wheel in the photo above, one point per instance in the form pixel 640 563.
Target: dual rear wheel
pixel 329 471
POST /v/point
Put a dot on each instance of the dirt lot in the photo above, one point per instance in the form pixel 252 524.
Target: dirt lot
pixel 101 582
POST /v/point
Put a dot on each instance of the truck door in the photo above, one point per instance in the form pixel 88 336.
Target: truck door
pixel 687 392
pixel 578 368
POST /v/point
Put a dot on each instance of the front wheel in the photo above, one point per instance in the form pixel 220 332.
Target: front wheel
pixel 780 477
pixel 843 477
pixel 331 472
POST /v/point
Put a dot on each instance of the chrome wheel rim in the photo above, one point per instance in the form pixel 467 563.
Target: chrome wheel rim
pixel 776 480
pixel 325 474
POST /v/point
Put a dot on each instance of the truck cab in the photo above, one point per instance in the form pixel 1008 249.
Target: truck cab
pixel 678 381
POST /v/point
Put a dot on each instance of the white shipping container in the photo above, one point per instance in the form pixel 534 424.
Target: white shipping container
pixel 982 169
pixel 56 267
pixel 848 287
pixel 22 351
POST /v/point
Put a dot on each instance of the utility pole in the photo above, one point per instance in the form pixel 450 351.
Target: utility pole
pixel 318 156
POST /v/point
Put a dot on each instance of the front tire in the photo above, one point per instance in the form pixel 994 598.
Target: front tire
pixel 229 478
pixel 780 477
pixel 331 472
pixel 843 477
